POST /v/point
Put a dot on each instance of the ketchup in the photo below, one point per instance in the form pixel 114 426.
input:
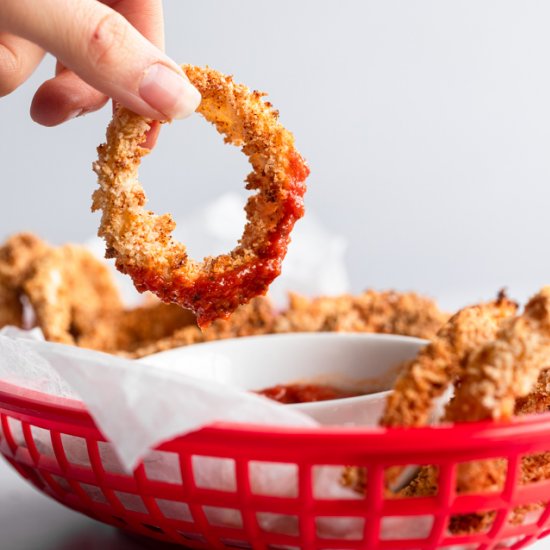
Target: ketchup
pixel 304 393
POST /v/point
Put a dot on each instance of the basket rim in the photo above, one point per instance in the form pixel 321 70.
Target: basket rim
pixel 522 431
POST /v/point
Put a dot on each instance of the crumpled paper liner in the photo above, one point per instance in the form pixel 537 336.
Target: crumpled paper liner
pixel 135 405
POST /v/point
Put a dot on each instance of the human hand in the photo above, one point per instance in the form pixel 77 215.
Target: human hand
pixel 109 49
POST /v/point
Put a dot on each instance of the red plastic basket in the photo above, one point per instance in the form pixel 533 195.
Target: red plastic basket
pixel 145 504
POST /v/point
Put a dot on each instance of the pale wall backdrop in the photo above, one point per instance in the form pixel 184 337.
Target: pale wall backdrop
pixel 426 125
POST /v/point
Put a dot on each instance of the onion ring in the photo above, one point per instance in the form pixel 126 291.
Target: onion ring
pixel 17 256
pixel 427 376
pixel 126 330
pixel 385 312
pixel 507 375
pixel 71 291
pixel 436 366
pixel 507 368
pixel 141 241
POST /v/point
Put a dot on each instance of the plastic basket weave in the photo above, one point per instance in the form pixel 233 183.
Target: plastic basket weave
pixel 145 504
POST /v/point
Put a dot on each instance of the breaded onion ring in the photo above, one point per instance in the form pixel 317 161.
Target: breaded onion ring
pixel 70 291
pixel 507 368
pixel 432 371
pixel 125 331
pixel 17 256
pixel 497 375
pixel 502 377
pixel 141 241
pixel 437 365
pixel 385 312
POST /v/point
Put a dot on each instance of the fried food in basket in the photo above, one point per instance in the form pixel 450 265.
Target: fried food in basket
pixel 438 364
pixel 496 375
pixel 125 330
pixel 75 301
pixel 503 375
pixel 141 241
pixel 70 291
pixel 387 312
pixel 410 314
pixel 498 360
pixel 506 368
pixel 251 319
pixel 17 256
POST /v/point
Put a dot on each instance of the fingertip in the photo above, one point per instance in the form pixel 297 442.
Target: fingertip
pixel 63 98
pixel 47 107
pixel 169 91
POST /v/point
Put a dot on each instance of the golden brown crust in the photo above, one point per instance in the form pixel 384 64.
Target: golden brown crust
pixel 538 400
pixel 124 331
pixel 386 312
pixel 141 241
pixel 17 256
pixel 507 368
pixel 11 307
pixel 70 291
pixel 437 365
pixel 251 319
pixel 501 377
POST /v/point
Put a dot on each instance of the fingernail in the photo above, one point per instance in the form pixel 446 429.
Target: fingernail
pixel 169 92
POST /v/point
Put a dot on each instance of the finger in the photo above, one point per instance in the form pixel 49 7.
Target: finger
pixel 56 101
pixel 145 15
pixel 103 48
pixel 18 59
pixel 64 97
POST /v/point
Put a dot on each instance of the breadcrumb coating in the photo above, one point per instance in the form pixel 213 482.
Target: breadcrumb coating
pixel 538 400
pixel 251 319
pixel 504 376
pixel 386 312
pixel 506 368
pixel 126 331
pixel 71 292
pixel 438 364
pixel 141 241
pixel 17 255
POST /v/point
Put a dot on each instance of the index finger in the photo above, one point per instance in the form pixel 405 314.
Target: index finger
pixel 145 15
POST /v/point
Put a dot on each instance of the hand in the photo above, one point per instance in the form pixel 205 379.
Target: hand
pixel 110 49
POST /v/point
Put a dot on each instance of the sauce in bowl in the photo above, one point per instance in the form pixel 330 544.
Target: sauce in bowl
pixel 305 393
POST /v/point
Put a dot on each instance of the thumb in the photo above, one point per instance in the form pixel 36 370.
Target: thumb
pixel 107 52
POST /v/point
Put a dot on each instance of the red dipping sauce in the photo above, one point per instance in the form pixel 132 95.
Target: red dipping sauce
pixel 305 393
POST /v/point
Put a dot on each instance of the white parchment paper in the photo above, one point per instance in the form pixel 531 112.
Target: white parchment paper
pixel 135 405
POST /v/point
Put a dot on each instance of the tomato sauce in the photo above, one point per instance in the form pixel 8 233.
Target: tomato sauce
pixel 304 393
pixel 216 295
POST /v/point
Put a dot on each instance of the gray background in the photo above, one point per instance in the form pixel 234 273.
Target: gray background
pixel 426 125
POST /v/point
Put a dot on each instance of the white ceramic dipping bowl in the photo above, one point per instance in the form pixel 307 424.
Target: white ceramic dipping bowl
pixel 358 362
